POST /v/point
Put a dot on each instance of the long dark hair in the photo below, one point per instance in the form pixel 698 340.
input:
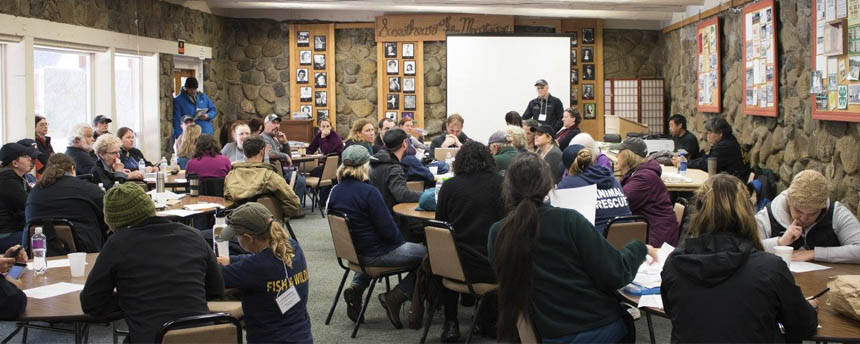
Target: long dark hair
pixel 58 165
pixel 527 182
pixel 206 145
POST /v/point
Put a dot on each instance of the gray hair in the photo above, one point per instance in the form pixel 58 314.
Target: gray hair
pixel 78 132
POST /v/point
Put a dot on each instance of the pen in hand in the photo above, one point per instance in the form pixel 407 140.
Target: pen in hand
pixel 819 294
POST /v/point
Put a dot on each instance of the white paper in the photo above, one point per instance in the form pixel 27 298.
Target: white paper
pixel 669 177
pixel 288 299
pixel 832 65
pixel 830 10
pixel 806 267
pixel 660 145
pixel 841 9
pixel 821 64
pixel 57 263
pixel 177 212
pixel 52 290
pixel 652 301
pixel 583 200
pixel 201 206
pixel 648 274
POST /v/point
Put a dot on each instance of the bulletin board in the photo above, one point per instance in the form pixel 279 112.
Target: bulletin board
pixel 312 68
pixel 400 76
pixel 586 72
pixel 836 60
pixel 761 73
pixel 708 53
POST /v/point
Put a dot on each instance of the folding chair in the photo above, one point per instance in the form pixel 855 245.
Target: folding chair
pixel 62 239
pixel 271 203
pixel 209 328
pixel 415 185
pixel 622 229
pixel 212 187
pixel 329 173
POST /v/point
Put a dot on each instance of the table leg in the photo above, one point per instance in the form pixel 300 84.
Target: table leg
pixel 650 327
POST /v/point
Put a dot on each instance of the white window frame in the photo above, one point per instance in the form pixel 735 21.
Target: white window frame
pixel 92 79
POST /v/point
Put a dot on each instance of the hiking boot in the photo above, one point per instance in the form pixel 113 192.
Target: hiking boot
pixel 450 331
pixel 391 302
pixel 352 296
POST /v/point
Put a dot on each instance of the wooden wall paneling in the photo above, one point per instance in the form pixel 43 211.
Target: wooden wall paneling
pixel 596 126
pixel 313 30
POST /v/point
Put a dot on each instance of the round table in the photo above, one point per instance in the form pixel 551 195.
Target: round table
pixel 408 210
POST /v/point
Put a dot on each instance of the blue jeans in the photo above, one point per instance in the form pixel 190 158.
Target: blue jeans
pixel 611 333
pixel 408 254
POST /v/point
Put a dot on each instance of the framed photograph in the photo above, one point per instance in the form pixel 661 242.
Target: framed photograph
pixel 574 38
pixel 322 113
pixel 409 102
pixel 408 50
pixel 408 67
pixel 587 36
pixel 394 84
pixel 392 102
pixel 588 72
pixel 304 57
pixel 587 92
pixel 303 38
pixel 573 57
pixel 390 49
pixel 305 94
pixel 574 96
pixel 407 115
pixel 574 77
pixel 319 43
pixel 409 85
pixel 319 61
pixel 320 80
pixel 302 76
pixel 590 111
pixel 305 109
pixel 392 115
pixel 587 54
pixel 392 67
pixel 321 98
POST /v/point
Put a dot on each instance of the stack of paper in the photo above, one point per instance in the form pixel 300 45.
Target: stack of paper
pixel 649 272
pixel 805 267
pixel 203 206
pixel 177 213
pixel 583 200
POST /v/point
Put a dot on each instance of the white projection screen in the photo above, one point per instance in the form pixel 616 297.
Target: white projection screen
pixel 491 75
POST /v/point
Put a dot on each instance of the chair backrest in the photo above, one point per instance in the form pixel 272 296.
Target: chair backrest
pixel 63 238
pixel 344 247
pixel 415 185
pixel 526 330
pixel 444 258
pixel 271 203
pixel 441 153
pixel 679 212
pixel 310 165
pixel 212 187
pixel 622 229
pixel 330 168
pixel 209 328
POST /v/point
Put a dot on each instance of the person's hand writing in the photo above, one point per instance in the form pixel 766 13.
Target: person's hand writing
pixel 813 303
pixel 803 255
pixel 792 233
pixel 224 261
pixel 652 252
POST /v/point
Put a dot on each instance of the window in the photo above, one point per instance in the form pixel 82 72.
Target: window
pixel 62 81
pixel 128 91
pixel 639 100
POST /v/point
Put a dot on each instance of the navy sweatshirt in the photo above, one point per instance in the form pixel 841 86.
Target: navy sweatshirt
pixel 373 229
pixel 611 201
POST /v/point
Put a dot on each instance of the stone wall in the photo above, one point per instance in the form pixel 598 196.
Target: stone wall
pixel 629 54
pixel 355 74
pixel 435 86
pixel 792 141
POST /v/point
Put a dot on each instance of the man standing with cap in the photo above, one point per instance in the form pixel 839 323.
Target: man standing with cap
pixel 17 160
pixel 546 109
pixel 100 126
pixel 188 103
pixel 151 269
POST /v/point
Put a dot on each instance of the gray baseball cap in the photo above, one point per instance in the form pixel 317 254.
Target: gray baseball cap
pixel 252 218
pixel 355 155
pixel 634 144
pixel 499 137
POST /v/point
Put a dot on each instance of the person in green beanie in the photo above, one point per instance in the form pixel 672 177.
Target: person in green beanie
pixel 151 269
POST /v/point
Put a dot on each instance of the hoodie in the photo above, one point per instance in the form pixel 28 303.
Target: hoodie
pixel 611 201
pixel 647 196
pixel 249 180
pixel 718 288
pixel 389 176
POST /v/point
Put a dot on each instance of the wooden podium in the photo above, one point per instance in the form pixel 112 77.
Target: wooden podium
pixel 622 126
pixel 298 129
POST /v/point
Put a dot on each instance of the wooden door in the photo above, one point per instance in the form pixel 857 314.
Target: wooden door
pixel 179 76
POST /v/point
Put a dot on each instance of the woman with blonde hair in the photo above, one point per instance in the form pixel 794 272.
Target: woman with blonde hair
pixel 722 267
pixel 109 169
pixel 275 269
pixel 361 134
pixel 582 171
pixel 189 144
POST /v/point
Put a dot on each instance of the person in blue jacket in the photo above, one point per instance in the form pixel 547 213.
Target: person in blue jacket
pixel 273 279
pixel 582 171
pixel 187 103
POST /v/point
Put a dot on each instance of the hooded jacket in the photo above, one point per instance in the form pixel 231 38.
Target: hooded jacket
pixel 611 201
pixel 647 196
pixel 718 288
pixel 184 105
pixel 13 200
pixel 389 176
pixel 249 180
pixel 729 158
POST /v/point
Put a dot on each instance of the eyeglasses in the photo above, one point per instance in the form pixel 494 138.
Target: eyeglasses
pixel 112 153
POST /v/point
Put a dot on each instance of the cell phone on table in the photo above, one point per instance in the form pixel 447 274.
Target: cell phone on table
pixel 16 270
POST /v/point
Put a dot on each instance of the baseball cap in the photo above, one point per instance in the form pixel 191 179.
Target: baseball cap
pixel 15 150
pixel 544 128
pixel 186 118
pixel 634 144
pixel 101 119
pixel 569 154
pixel 273 117
pixel 252 218
pixel 499 137
pixel 355 155
pixel 540 82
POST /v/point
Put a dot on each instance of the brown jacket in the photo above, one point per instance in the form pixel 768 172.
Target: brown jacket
pixel 248 180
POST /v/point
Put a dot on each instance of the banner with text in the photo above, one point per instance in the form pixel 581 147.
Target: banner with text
pixel 434 27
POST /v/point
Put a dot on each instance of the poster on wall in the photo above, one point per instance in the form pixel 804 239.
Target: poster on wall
pixel 708 59
pixel 835 43
pixel 761 76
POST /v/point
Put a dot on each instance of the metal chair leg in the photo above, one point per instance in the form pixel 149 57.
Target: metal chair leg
pixel 429 320
pixel 650 327
pixel 336 297
pixel 387 285
pixel 363 308
pixel 478 305
pixel 290 229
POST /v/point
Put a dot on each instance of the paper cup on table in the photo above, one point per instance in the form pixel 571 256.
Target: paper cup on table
pixel 77 263
pixel 785 253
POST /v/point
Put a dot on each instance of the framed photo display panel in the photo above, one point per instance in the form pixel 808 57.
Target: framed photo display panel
pixel 312 89
pixel 709 93
pixel 761 63
pixel 835 72
pixel 586 73
pixel 400 76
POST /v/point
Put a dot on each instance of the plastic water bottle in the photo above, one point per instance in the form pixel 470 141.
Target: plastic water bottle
pixel 174 161
pixel 141 166
pixel 439 182
pixel 449 160
pixel 37 244
pixel 682 165
pixel 163 165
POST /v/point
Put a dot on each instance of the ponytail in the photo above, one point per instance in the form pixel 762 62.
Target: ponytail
pixel 58 165
pixel 280 244
pixel 582 162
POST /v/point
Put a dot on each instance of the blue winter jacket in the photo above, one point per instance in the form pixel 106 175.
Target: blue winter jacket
pixel 183 105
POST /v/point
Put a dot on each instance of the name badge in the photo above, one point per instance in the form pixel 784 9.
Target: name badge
pixel 542 117
pixel 288 299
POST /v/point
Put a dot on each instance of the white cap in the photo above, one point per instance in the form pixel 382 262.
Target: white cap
pixel 38 230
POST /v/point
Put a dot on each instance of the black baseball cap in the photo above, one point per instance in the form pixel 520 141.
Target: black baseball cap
pixel 544 128
pixel 15 150
pixel 540 82
pixel 101 119
pixel 273 117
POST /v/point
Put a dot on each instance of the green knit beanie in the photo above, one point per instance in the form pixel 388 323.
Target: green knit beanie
pixel 127 204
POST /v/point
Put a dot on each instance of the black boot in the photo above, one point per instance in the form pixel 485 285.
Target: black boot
pixel 451 331
pixel 352 296
pixel 391 302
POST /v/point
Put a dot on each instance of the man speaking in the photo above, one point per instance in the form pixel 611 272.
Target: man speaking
pixel 546 109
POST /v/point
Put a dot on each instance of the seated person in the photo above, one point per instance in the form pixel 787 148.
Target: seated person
pixel 518 138
pixel 109 170
pixel 513 118
pixel 646 193
pixel 415 137
pixel 547 148
pixel 552 264
pixel 279 146
pixel 43 144
pixel 17 160
pixel 273 258
pixel 502 148
pixel 724 147
pixel 361 134
pixel 471 202
pixel 805 218
pixel 683 139
pixel 13 301
pixel 582 171
pixel 454 136
pixel 80 148
pixel 385 124
pixel 207 162
pixel 570 121
pixel 254 178
pixel 100 126
pixel 59 195
pixel 151 269
pixel 587 141
pixel 189 144
pixel 722 260
pixel 233 150
pixel 256 126
pixel 184 123
pixel 388 175
pixel 327 141
pixel 377 240
pixel 129 155
pixel 530 134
